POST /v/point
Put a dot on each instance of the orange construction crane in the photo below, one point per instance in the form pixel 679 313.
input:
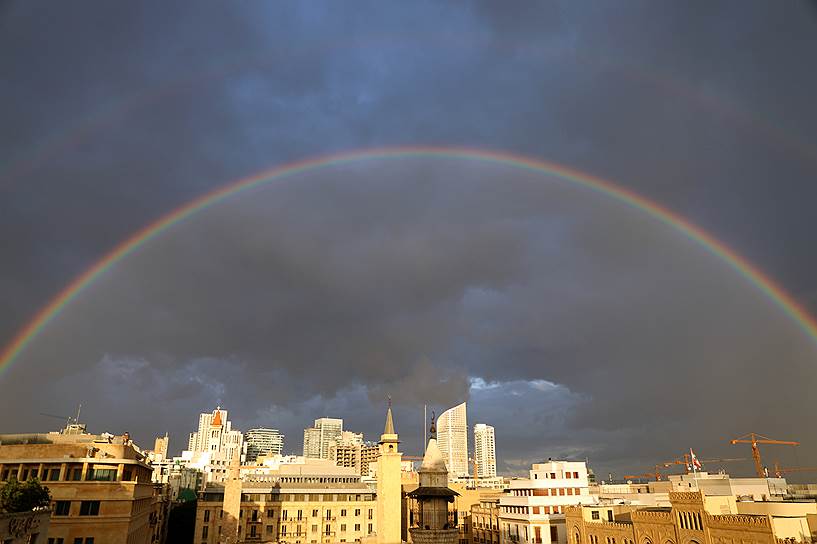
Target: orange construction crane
pixel 687 461
pixel 647 475
pixel 780 471
pixel 754 439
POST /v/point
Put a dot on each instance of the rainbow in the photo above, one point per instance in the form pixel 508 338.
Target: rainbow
pixel 744 268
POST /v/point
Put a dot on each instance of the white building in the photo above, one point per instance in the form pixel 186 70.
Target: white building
pixel 533 509
pixel 485 450
pixel 213 445
pixel 452 438
pixel 263 442
pixel 318 438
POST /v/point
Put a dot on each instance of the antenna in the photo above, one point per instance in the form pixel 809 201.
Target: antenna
pixel 79 409
pixel 425 430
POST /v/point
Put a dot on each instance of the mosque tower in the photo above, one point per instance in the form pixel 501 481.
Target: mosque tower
pixel 389 488
pixel 431 520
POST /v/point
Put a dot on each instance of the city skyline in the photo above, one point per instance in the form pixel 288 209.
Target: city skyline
pixel 576 218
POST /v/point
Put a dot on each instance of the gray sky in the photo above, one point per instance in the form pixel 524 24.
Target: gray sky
pixel 576 326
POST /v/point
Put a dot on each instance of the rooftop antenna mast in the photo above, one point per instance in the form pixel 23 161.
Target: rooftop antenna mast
pixel 425 430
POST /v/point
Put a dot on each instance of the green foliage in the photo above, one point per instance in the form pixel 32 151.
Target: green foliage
pixel 23 497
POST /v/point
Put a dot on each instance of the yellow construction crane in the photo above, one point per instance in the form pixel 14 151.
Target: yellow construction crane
pixel 754 439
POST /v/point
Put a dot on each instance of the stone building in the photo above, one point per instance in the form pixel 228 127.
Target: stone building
pixel 24 527
pixel 485 522
pixel 100 486
pixel 309 502
pixel 685 522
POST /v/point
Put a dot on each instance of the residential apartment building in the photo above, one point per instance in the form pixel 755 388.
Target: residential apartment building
pixel 356 456
pixel 452 438
pixel 263 442
pixel 100 486
pixel 533 509
pixel 318 438
pixel 485 450
pixel 306 501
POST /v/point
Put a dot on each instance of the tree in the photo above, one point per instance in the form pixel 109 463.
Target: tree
pixel 23 497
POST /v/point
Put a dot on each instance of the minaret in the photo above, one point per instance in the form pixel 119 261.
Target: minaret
pixel 431 522
pixel 232 501
pixel 389 487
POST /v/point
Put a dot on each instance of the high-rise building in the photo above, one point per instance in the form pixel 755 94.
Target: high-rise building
pixel 319 437
pixel 263 442
pixel 215 434
pixel 213 445
pixel 485 450
pixel 160 446
pixel 452 439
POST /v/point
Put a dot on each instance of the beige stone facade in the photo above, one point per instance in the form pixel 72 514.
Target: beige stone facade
pixel 484 522
pixel 291 509
pixel 685 522
pixel 101 487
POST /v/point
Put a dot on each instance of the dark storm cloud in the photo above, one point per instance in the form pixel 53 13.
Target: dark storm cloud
pixel 322 296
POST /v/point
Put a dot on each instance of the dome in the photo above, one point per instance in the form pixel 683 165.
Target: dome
pixel 433 460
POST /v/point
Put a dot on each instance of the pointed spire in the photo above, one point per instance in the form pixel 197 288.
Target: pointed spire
pixel 389 429
pixel 433 430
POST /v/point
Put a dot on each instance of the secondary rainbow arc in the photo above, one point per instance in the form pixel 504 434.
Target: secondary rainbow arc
pixel 745 269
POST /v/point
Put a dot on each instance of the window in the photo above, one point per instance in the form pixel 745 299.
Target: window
pixel 327 530
pixel 204 531
pixel 314 528
pixel 370 515
pixel 554 533
pixel 595 514
pixel 270 513
pixel 343 512
pixel 609 515
pixel 328 514
pixel 53 474
pixel 315 513
pixel 89 508
pixel 575 474
pixel 76 474
pixel 342 527
pixel 284 530
pixel 284 516
pixel 357 526
pixel 62 508
pixel 370 529
pixel 56 540
pixel 269 529
pixel 357 511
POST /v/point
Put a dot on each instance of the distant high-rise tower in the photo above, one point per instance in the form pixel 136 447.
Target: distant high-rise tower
pixel 485 450
pixel 318 438
pixel 160 446
pixel 452 439
pixel 216 435
pixel 263 442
